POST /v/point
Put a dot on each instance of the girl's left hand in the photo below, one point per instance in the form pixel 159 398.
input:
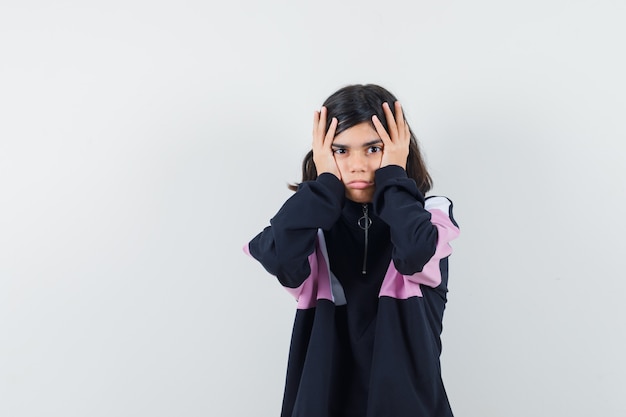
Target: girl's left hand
pixel 396 141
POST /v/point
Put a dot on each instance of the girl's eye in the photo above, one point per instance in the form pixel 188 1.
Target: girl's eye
pixel 374 149
pixel 339 151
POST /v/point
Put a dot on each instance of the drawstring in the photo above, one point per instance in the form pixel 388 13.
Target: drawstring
pixel 364 223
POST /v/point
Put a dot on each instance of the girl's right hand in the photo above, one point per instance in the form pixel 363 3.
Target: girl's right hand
pixel 323 155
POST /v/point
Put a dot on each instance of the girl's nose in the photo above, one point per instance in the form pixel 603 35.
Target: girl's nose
pixel 358 162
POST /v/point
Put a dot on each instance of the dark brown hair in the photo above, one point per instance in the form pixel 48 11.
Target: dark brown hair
pixel 355 104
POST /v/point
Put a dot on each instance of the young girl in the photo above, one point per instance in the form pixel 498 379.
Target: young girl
pixel 366 257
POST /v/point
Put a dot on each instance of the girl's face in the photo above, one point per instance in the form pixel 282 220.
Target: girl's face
pixel 358 153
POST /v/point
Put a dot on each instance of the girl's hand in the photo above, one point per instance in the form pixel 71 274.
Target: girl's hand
pixel 396 141
pixel 323 155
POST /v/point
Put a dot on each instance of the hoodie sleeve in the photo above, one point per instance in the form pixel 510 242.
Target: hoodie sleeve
pixel 283 248
pixel 419 236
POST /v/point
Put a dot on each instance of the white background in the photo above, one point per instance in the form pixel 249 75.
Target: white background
pixel 142 144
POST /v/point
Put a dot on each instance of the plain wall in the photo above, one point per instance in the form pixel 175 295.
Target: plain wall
pixel 142 144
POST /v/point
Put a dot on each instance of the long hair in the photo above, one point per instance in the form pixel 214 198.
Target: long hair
pixel 355 104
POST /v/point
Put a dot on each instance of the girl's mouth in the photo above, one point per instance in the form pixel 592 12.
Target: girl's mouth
pixel 360 184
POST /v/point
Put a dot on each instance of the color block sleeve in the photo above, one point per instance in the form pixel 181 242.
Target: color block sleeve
pixel 442 219
pixel 417 233
pixel 284 247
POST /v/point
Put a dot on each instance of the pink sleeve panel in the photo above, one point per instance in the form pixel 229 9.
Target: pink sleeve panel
pixel 401 286
pixel 320 284
pixel 398 286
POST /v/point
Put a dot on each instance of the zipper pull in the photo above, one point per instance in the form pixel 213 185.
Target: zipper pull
pixel 364 223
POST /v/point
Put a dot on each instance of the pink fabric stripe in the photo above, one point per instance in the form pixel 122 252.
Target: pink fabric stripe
pixel 401 286
pixel 317 285
pixel 398 286
pixel 431 274
pixel 304 294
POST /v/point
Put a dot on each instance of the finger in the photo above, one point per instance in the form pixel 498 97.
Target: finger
pixel 401 121
pixel 316 121
pixel 399 113
pixel 391 122
pixel 330 135
pixel 319 125
pixel 380 129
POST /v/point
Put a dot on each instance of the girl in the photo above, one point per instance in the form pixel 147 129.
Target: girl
pixel 366 257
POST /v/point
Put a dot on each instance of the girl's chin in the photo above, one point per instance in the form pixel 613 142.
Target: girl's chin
pixel 360 196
